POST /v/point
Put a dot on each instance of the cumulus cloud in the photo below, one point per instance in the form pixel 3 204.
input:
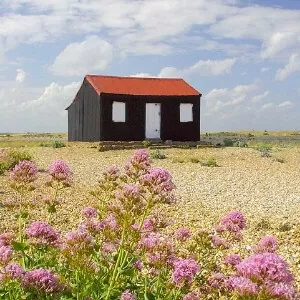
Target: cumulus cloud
pixel 292 67
pixel 80 58
pixel 267 105
pixel 285 104
pixel 200 68
pixel 259 97
pixel 21 75
pixel 42 111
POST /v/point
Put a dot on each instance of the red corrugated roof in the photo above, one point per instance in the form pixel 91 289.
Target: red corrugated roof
pixel 141 86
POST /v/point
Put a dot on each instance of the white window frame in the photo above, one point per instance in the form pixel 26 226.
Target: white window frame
pixel 119 111
pixel 186 112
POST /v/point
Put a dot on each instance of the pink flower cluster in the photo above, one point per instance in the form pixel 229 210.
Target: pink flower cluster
pixel 60 171
pixel 232 259
pixel 267 244
pixel 6 238
pixel 234 221
pixel 184 271
pixel 128 295
pixel 194 295
pixel 112 173
pixel 159 179
pixel 263 271
pixel 24 172
pixel 79 241
pixel 42 280
pixel 90 212
pixel 5 254
pixel 182 234
pixel 42 233
pixel 138 164
pixel 12 271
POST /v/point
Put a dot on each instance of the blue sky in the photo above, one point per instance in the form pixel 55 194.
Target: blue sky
pixel 242 55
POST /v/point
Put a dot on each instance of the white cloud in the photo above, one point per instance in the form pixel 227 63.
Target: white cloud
pixel 292 67
pixel 259 97
pixel 78 59
pixel 141 75
pixel 43 110
pixel 285 104
pixel 21 75
pixel 264 69
pixel 267 105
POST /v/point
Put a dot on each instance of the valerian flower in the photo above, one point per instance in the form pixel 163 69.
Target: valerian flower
pixel 61 172
pixel 41 233
pixel 184 271
pixel 42 280
pixel 24 172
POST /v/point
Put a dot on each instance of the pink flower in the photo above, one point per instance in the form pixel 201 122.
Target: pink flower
pixel 6 238
pixel 159 179
pixel 232 259
pixel 79 241
pixel 42 233
pixel 128 295
pixel 5 254
pixel 139 265
pixel 12 271
pixel 267 244
pixel 138 164
pixel 112 173
pixel 242 286
pixel 219 242
pixel 194 295
pixel 42 280
pixel 90 212
pixel 184 271
pixel 182 234
pixel 217 280
pixel 265 266
pixel 109 247
pixel 234 221
pixel 281 291
pixel 24 172
pixel 150 241
pixel 60 171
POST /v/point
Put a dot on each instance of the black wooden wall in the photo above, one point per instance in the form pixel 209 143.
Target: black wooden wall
pixel 134 127
pixel 90 117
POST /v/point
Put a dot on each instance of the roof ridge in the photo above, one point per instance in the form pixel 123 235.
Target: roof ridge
pixel 135 77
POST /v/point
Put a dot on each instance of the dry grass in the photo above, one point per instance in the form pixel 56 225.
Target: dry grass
pixel 267 191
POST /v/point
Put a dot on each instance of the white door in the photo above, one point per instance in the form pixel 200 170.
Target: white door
pixel 152 120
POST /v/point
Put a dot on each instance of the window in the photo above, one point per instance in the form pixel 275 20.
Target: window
pixel 118 112
pixel 186 112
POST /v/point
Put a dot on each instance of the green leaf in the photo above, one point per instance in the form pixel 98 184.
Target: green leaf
pixel 18 246
pixel 149 296
pixel 51 209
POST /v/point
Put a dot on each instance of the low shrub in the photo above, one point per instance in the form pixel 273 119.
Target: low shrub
pixel 241 144
pixel 228 142
pixel 146 143
pixel 45 144
pixel 211 162
pixel 157 154
pixel 58 144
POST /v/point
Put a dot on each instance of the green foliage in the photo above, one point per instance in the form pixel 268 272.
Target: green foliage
pixel 157 154
pixel 15 156
pixel 211 162
pixel 228 142
pixel 58 144
pixel 146 143
pixel 45 144
pixel 240 144
pixel 263 224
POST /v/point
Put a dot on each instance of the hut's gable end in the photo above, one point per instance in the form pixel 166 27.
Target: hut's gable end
pixel 84 115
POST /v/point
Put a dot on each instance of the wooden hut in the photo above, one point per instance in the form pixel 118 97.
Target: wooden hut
pixel 110 108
